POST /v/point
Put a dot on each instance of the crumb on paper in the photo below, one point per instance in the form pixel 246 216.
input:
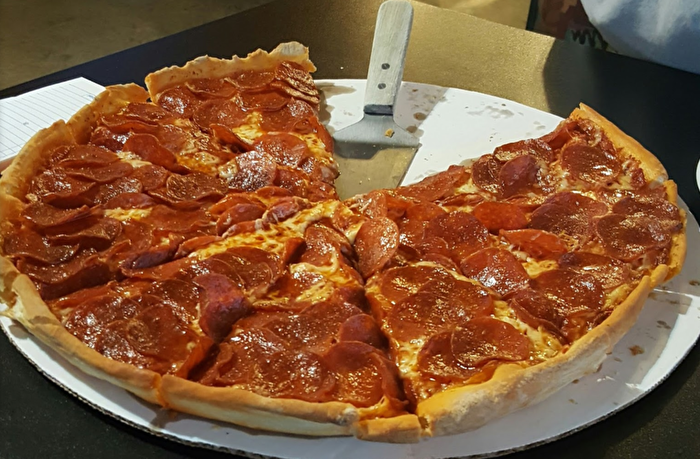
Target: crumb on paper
pixel 662 324
pixel 414 90
pixel 617 359
pixel 571 400
pixel 575 381
pixel 172 414
pixel 694 283
pixel 420 116
pixel 636 350
pixel 389 133
pixel 215 427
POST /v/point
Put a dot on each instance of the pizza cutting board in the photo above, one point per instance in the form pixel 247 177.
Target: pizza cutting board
pixel 453 126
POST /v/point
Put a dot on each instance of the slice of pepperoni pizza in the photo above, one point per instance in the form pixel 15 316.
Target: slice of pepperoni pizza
pixel 500 282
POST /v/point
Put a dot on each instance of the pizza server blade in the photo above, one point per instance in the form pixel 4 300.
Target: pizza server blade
pixel 375 152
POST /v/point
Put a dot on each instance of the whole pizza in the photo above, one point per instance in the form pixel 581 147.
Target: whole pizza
pixel 186 243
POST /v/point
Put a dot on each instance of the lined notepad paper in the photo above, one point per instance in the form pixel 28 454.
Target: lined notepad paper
pixel 22 116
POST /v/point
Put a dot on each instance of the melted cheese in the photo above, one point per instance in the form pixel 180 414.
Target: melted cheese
pixel 127 214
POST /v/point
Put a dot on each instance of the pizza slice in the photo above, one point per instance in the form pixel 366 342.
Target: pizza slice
pixel 500 282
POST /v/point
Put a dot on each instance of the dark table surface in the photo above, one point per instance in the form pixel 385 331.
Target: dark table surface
pixel 654 104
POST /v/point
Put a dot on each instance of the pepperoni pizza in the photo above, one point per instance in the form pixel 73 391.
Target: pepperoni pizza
pixel 187 244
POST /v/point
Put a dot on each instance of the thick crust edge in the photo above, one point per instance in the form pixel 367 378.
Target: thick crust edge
pixel 212 67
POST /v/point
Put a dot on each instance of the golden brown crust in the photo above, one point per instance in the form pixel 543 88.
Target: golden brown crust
pixel 27 307
pixel 211 67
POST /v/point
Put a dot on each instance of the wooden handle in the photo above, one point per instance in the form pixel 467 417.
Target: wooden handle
pixel 388 55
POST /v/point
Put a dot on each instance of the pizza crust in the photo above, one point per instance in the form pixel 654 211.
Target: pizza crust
pixel 212 67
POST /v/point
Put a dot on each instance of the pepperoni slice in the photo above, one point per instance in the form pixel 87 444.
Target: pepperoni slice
pixel 424 211
pixel 104 174
pixel 436 361
pixel 608 271
pixel 399 283
pixel 184 297
pixel 87 320
pixel 251 79
pixel 459 229
pixel 211 87
pixel 323 244
pixel 195 186
pixel 483 339
pixel 23 242
pixel 496 269
pixel 498 216
pixel 363 375
pixel 462 200
pixel 294 117
pixel 285 208
pixel 104 137
pixel 224 304
pixel 666 212
pixel 254 266
pixel 436 307
pixel 315 328
pixel 195 243
pixel 108 191
pixel 575 290
pixel 130 201
pixel 146 113
pixel 45 215
pixel 362 328
pixel 58 189
pixel 283 87
pixel 486 174
pixel 376 243
pixel 233 199
pixel 293 374
pixel 568 213
pixel 97 233
pixel 148 148
pixel 629 237
pixel 297 77
pixel 537 243
pixel 179 221
pixel 590 164
pixel 179 100
pixel 286 149
pixel 535 147
pixel 83 156
pixel 519 175
pixel 219 111
pixel 436 186
pixel 237 213
pixel 157 332
pixel 265 101
pixel 254 170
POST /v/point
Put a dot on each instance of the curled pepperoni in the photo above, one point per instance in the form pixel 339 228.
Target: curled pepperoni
pixel 483 339
pixel 575 290
pixel 399 283
pixel 438 306
pixel 254 170
pixel 195 243
pixel 180 221
pixel 108 191
pixel 103 174
pixel 104 137
pixel 184 297
pixel 150 176
pixel 130 200
pixel 590 164
pixel 179 100
pixel 55 187
pixel 293 374
pixel 211 87
pixel 297 77
pixel 630 236
pixel 363 375
pixel 224 304
pixel 568 213
pixel 28 244
pixel 666 212
pixel 537 243
pixel 83 156
pixel 283 87
pixel 294 117
pixel 219 111
pixel 286 149
pixel 518 175
pixel 45 215
pixel 265 101
pixel 146 112
pixel 237 213
pixel 284 209
pixel 251 79
pixel 376 243
pixel 486 174
pixel 231 200
pixel 498 216
pixel 436 361
pixel 325 243
pixel 148 148
pixel 436 186
pixel 497 269
pixel 459 229
pixel 255 267
pixel 424 211
pixel 157 332
pixel 195 186
pixel 534 147
pixel 97 233
pixel 363 328
pixel 608 271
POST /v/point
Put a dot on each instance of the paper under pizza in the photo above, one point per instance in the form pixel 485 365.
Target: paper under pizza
pixel 187 244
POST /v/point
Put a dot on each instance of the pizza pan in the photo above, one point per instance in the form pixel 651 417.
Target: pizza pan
pixel 453 126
